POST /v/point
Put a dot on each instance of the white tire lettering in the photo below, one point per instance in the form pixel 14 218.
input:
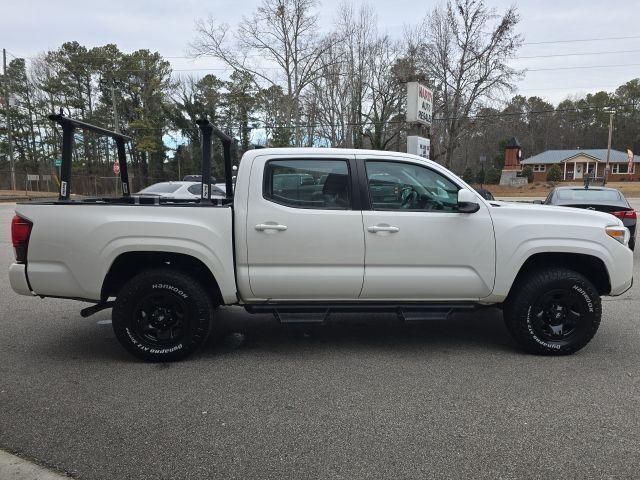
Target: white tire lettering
pixel 164 286
pixel 586 297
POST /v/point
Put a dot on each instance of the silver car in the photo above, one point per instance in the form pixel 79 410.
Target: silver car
pixel 181 190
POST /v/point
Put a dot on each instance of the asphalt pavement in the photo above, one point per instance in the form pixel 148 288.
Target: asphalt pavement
pixel 362 397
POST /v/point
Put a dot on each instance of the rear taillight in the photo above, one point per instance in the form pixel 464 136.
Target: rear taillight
pixel 20 231
pixel 625 214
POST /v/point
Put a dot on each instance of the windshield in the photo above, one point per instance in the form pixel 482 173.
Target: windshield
pixel 161 188
pixel 581 194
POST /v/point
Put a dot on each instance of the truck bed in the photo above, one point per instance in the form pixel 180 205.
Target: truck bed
pixel 74 244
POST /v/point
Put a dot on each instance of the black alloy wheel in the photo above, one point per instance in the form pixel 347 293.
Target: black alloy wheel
pixel 553 311
pixel 162 315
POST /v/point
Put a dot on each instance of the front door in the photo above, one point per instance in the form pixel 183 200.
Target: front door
pixel 418 247
pixel 305 238
pixel 578 171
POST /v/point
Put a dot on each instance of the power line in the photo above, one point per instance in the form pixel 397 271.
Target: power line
pixel 575 54
pixel 545 42
pixel 582 66
pixel 584 87
pixel 259 124
pixel 277 68
pixel 576 40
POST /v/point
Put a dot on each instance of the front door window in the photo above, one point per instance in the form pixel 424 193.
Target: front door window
pixel 407 186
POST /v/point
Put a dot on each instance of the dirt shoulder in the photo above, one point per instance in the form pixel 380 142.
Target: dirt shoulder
pixel 19 195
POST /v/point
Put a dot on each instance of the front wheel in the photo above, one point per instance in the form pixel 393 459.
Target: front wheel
pixel 553 311
pixel 162 315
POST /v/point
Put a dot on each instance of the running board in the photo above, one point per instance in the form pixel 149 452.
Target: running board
pixel 319 313
pixel 98 307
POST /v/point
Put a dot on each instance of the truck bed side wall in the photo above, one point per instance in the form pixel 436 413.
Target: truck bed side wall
pixel 73 246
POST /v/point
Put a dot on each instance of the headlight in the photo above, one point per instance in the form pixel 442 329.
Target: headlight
pixel 620 234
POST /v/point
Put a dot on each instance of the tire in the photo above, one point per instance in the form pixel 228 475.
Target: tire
pixel 554 311
pixel 162 315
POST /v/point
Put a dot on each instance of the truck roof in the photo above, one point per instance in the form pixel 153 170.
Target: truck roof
pixel 329 151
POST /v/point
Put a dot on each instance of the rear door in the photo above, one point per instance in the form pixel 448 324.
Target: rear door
pixel 418 246
pixel 305 239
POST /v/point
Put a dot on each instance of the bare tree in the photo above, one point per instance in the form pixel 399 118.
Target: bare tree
pixel 282 33
pixel 464 48
pixel 338 91
pixel 385 95
pixel 358 92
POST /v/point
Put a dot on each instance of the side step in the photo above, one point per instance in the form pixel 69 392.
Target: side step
pixel 288 313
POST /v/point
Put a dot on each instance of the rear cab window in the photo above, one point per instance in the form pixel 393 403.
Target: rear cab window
pixel 317 184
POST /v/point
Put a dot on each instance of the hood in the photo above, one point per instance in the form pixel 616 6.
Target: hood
pixel 555 213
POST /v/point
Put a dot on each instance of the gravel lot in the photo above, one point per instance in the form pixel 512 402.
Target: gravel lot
pixel 358 398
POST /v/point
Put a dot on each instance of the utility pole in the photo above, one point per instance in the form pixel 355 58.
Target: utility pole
pixel 114 104
pixel 8 115
pixel 606 168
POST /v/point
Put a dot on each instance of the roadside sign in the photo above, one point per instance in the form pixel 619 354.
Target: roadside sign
pixel 116 168
pixel 419 103
pixel 57 162
pixel 418 146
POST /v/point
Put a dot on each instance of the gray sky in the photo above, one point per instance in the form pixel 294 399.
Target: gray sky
pixel 29 27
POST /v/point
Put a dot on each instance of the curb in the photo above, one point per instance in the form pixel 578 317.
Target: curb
pixel 16 468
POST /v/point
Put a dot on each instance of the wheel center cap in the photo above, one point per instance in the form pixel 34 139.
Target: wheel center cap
pixel 557 313
pixel 161 318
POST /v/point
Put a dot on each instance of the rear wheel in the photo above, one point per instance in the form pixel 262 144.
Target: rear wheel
pixel 162 315
pixel 553 311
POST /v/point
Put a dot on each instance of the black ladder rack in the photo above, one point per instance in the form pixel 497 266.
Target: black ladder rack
pixel 208 129
pixel 69 126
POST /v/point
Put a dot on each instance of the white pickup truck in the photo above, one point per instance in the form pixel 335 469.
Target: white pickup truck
pixel 313 231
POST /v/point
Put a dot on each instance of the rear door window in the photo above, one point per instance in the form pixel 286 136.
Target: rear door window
pixel 320 184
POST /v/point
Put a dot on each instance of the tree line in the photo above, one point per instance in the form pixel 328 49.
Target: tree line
pixel 289 82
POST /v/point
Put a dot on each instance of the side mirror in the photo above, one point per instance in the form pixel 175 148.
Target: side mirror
pixel 467 201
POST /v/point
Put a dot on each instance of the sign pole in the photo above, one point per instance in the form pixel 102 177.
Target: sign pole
pixel 606 168
pixel 8 115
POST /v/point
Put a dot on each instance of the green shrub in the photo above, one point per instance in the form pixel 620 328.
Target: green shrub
pixel 492 175
pixel 528 173
pixel 554 174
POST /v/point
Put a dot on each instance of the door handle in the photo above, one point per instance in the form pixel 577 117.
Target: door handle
pixel 383 228
pixel 261 227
